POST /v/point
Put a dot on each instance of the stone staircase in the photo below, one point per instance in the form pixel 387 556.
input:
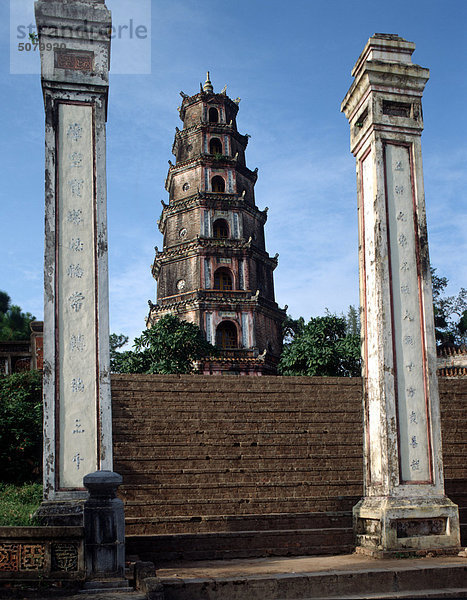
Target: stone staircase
pixel 218 467
pixel 224 467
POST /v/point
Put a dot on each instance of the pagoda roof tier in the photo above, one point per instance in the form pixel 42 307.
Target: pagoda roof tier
pixel 203 96
pixel 215 299
pixel 235 354
pixel 248 361
pixel 211 246
pixel 207 159
pixel 206 126
pixel 187 247
pixel 218 201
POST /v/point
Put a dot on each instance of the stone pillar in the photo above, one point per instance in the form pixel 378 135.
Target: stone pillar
pixel 404 508
pixel 75 53
pixel 104 531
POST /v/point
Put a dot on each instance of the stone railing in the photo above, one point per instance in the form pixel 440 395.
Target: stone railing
pixel 41 553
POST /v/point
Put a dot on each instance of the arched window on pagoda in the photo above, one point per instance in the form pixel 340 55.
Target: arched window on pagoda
pixel 217 184
pixel 220 229
pixel 215 146
pixel 226 335
pixel 213 115
pixel 222 280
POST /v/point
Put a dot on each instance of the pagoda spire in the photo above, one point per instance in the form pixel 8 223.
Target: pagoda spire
pixel 208 85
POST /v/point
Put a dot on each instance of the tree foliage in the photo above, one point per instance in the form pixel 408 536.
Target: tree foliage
pixel 353 321
pixel 322 347
pixel 450 312
pixel 14 324
pixel 291 328
pixel 169 346
pixel 21 427
pixel 116 341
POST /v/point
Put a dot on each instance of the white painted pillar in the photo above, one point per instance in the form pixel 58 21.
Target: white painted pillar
pixel 75 53
pixel 404 508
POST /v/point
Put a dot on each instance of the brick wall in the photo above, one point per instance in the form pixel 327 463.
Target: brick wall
pixel 203 454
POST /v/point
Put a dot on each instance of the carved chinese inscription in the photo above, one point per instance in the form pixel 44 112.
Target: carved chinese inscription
pixel 76 245
pixel 414 447
pixel 77 459
pixel 74 132
pixel 77 385
pixel 77 343
pixel 78 426
pixel 64 557
pixel 77 296
pixel 77 60
pixel 76 301
pixel 76 159
pixel 76 187
pixel 75 216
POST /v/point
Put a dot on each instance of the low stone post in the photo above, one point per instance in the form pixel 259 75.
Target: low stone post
pixel 104 532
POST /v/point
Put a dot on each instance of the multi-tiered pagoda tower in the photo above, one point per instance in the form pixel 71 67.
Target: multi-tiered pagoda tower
pixel 214 269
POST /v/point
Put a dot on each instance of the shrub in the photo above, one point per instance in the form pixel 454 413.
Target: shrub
pixel 21 427
pixel 18 504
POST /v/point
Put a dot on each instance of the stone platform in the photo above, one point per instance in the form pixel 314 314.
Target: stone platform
pixel 345 577
pixel 309 578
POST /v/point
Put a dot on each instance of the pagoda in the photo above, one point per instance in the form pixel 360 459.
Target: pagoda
pixel 213 269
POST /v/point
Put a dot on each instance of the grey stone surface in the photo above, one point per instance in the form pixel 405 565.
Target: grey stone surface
pixel 309 578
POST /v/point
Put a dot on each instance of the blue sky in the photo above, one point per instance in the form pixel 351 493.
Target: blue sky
pixel 290 63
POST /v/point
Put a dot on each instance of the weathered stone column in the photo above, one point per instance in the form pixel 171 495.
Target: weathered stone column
pixel 404 508
pixel 75 53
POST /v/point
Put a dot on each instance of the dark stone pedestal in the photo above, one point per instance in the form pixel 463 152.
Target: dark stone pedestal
pixel 104 532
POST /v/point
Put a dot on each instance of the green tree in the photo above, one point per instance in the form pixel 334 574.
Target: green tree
pixel 21 427
pixel 353 321
pixel 116 341
pixel 169 346
pixel 323 348
pixel 14 324
pixel 450 312
pixel 291 328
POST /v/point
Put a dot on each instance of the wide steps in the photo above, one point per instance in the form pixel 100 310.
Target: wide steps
pixel 212 455
pixel 160 549
pixel 315 577
pixel 232 492
pixel 197 477
pixel 429 593
pixel 207 507
pixel 247 522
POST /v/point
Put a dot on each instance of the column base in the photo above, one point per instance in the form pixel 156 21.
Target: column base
pixel 387 526
pixel 61 513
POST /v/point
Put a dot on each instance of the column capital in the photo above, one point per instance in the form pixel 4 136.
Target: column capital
pixel 74 42
pixel 386 92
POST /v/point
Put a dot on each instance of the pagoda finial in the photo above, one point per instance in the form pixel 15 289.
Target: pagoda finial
pixel 208 85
